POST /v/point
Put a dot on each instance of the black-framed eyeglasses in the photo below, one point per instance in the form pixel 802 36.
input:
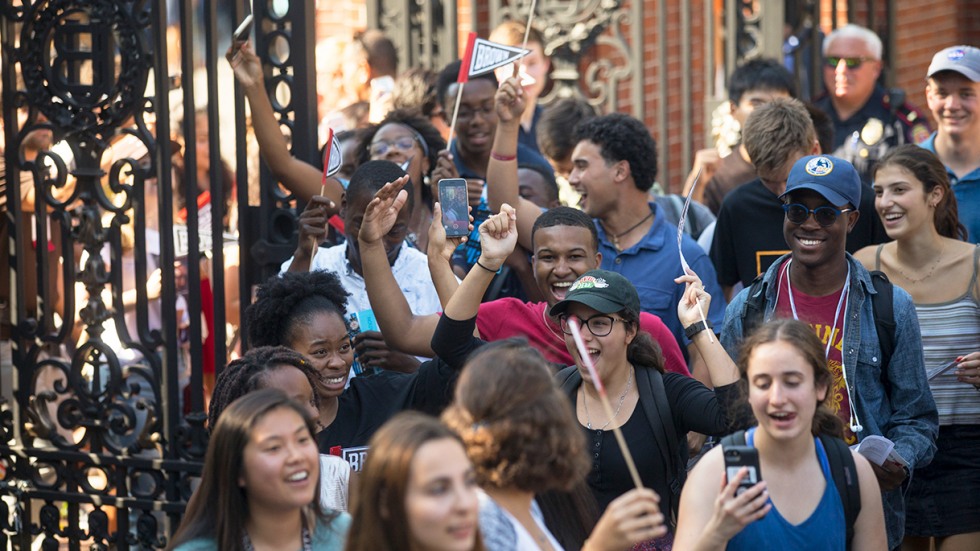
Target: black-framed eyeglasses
pixel 849 62
pixel 599 325
pixel 381 147
pixel 825 215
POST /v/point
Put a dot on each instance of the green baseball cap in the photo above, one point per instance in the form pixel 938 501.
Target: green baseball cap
pixel 604 291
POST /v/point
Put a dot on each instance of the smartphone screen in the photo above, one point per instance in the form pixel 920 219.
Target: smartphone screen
pixel 243 30
pixel 453 199
pixel 737 457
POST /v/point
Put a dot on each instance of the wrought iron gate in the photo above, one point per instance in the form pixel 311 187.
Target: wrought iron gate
pixel 102 427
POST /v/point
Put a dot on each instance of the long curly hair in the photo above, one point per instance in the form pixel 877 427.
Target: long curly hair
pixel 518 427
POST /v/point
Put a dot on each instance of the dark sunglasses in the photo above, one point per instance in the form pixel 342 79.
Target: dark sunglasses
pixel 849 62
pixel 825 216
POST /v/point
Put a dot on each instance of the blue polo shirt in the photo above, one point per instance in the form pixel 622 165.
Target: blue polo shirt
pixel 967 192
pixel 654 262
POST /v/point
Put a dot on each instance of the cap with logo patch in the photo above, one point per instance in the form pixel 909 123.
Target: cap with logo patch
pixel 604 291
pixel 832 177
pixel 964 60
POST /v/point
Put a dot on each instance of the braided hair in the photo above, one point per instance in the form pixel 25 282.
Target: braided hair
pixel 285 302
pixel 246 374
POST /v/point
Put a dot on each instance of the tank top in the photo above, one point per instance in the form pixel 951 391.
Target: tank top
pixel 824 530
pixel 950 329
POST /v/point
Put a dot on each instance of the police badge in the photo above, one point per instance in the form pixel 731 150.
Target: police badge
pixel 872 132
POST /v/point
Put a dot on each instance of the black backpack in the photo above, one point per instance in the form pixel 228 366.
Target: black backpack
pixel 881 303
pixel 842 470
pixel 657 410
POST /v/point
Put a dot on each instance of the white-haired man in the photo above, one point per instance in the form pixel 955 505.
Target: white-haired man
pixel 868 120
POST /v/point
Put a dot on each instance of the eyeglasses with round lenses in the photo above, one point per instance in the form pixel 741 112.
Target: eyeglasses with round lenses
pixel 599 325
pixel 825 215
pixel 849 62
pixel 381 147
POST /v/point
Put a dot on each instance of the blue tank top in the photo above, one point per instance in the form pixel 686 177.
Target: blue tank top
pixel 824 530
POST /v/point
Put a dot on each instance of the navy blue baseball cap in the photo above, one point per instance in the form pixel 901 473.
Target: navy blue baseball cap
pixel 832 177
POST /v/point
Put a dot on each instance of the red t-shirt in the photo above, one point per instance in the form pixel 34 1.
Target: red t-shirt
pixel 509 317
pixel 819 313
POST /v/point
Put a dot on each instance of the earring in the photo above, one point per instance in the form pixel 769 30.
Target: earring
pixel 426 180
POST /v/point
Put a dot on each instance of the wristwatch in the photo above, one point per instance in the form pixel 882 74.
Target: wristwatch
pixel 696 328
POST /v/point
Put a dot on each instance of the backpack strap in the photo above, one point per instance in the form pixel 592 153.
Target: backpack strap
pixel 882 302
pixel 568 379
pixel 736 438
pixel 656 407
pixel 844 472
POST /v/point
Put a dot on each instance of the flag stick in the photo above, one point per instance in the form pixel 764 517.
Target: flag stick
pixel 452 124
pixel 323 185
pixel 680 234
pixel 597 383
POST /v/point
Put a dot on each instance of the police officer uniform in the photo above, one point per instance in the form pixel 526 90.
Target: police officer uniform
pixel 885 121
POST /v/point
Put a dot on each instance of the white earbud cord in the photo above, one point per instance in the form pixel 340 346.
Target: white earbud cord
pixel 855 422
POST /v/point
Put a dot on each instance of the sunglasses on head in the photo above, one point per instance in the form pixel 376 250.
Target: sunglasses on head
pixel 825 215
pixel 849 62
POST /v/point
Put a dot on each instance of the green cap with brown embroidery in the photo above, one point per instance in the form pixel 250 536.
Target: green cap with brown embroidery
pixel 604 291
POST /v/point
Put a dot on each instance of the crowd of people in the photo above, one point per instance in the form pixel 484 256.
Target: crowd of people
pixel 800 372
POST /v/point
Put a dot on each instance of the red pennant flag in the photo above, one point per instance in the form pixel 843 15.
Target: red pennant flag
pixel 464 67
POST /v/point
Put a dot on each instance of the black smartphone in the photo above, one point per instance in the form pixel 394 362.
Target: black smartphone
pixel 737 457
pixel 453 199
pixel 243 30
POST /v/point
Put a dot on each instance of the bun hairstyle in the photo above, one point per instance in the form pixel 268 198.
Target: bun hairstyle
pixel 517 425
pixel 805 341
pixel 928 169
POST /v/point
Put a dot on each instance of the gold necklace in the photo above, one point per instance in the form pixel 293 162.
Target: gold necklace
pixel 622 398
pixel 932 268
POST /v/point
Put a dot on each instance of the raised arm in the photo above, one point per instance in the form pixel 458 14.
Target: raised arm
pixel 402 329
pixel 721 369
pixel 439 253
pixel 299 177
pixel 498 236
pixel 502 184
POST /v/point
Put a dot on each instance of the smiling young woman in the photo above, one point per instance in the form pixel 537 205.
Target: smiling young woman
pixel 930 260
pixel 260 484
pixel 418 491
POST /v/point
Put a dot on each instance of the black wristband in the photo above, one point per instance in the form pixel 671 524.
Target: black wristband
pixel 696 328
pixel 485 268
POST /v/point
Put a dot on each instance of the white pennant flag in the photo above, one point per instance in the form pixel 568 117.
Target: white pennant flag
pixel 487 56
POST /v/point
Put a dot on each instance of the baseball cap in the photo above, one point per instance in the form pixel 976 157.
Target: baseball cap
pixel 604 291
pixel 832 177
pixel 964 60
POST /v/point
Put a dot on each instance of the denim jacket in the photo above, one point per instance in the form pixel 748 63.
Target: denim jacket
pixel 905 412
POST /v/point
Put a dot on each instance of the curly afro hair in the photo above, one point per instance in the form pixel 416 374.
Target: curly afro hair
pixel 623 138
pixel 518 426
pixel 284 302
pixel 246 374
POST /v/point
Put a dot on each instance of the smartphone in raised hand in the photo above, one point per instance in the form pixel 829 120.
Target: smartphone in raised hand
pixel 453 200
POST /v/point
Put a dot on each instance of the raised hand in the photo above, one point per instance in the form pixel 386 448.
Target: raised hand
pixel 510 101
pixel 439 244
pixel 687 308
pixel 733 513
pixel 445 168
pixel 498 237
pixel 631 518
pixel 373 351
pixel 245 64
pixel 313 224
pixel 382 211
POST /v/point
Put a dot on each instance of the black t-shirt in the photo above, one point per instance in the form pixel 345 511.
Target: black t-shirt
pixel 749 232
pixel 370 401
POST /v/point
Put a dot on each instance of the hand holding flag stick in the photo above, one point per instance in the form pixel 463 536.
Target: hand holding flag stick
pixel 680 235
pixel 332 159
pixel 583 353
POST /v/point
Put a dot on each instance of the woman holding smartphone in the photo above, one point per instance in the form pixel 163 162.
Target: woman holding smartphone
pixel 796 505
pixel 930 259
